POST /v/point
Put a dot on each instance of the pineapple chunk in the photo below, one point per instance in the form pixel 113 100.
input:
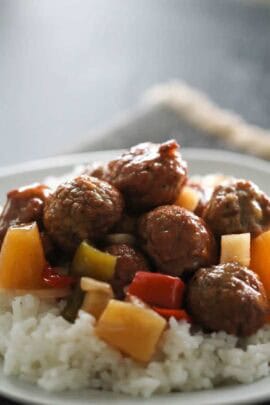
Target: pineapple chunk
pixel 133 330
pixel 188 198
pixel 22 259
pixel 236 248
pixel 97 296
pixel 260 259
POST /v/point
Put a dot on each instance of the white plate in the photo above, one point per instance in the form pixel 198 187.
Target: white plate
pixel 201 161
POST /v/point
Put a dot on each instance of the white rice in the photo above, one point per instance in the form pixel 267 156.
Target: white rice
pixel 39 346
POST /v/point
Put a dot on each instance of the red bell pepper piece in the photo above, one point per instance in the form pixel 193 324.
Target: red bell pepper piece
pixel 53 279
pixel 175 313
pixel 157 289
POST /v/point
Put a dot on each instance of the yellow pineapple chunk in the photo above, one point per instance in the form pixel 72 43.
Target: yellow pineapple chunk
pixel 188 198
pixel 133 330
pixel 22 259
pixel 235 248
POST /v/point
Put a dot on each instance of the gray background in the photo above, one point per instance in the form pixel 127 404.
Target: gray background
pixel 67 66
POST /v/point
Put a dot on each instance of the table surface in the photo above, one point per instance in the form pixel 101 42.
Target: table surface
pixel 71 65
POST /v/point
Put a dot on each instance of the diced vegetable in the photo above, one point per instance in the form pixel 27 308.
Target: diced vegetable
pixel 73 304
pixel 118 238
pixel 235 248
pixel 188 198
pixel 91 262
pixel 133 330
pixel 22 258
pixel 260 259
pixel 90 284
pixel 95 302
pixel 52 278
pixel 179 314
pixel 157 289
pixel 97 296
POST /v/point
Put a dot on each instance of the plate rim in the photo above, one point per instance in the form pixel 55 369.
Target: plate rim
pixel 80 158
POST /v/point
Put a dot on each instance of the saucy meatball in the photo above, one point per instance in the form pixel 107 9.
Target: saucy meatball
pixel 82 208
pixel 129 261
pixel 149 174
pixel 238 207
pixel 23 205
pixel 176 239
pixel 227 297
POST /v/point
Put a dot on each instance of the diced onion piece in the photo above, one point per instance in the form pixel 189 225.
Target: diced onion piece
pixel 90 284
pixel 95 302
pixel 235 248
pixel 97 296
pixel 131 329
pixel 188 198
pixel 118 238
pixel 44 293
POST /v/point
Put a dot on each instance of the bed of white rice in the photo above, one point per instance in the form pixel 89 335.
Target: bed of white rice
pixel 38 345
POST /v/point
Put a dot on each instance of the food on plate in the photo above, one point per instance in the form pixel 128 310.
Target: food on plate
pixel 158 290
pixel 129 260
pixel 98 294
pixel 238 207
pixel 148 175
pixel 23 205
pixel 188 198
pixel 260 258
pixel 177 240
pixel 235 248
pixel 82 208
pixel 92 262
pixel 22 259
pixel 132 329
pixel 133 277
pixel 228 297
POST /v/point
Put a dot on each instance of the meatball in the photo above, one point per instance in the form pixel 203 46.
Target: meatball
pixel 227 297
pixel 127 224
pixel 82 208
pixel 23 205
pixel 149 175
pixel 129 261
pixel 238 207
pixel 97 170
pixel 177 240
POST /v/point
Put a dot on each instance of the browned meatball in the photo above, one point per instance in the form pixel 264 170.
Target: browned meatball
pixel 129 261
pixel 238 207
pixel 82 208
pixel 176 239
pixel 127 224
pixel 227 297
pixel 23 205
pixel 97 170
pixel 149 174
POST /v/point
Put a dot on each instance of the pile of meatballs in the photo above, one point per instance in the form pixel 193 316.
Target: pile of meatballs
pixel 127 208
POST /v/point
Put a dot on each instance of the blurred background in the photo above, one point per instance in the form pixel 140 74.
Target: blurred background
pixel 68 66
